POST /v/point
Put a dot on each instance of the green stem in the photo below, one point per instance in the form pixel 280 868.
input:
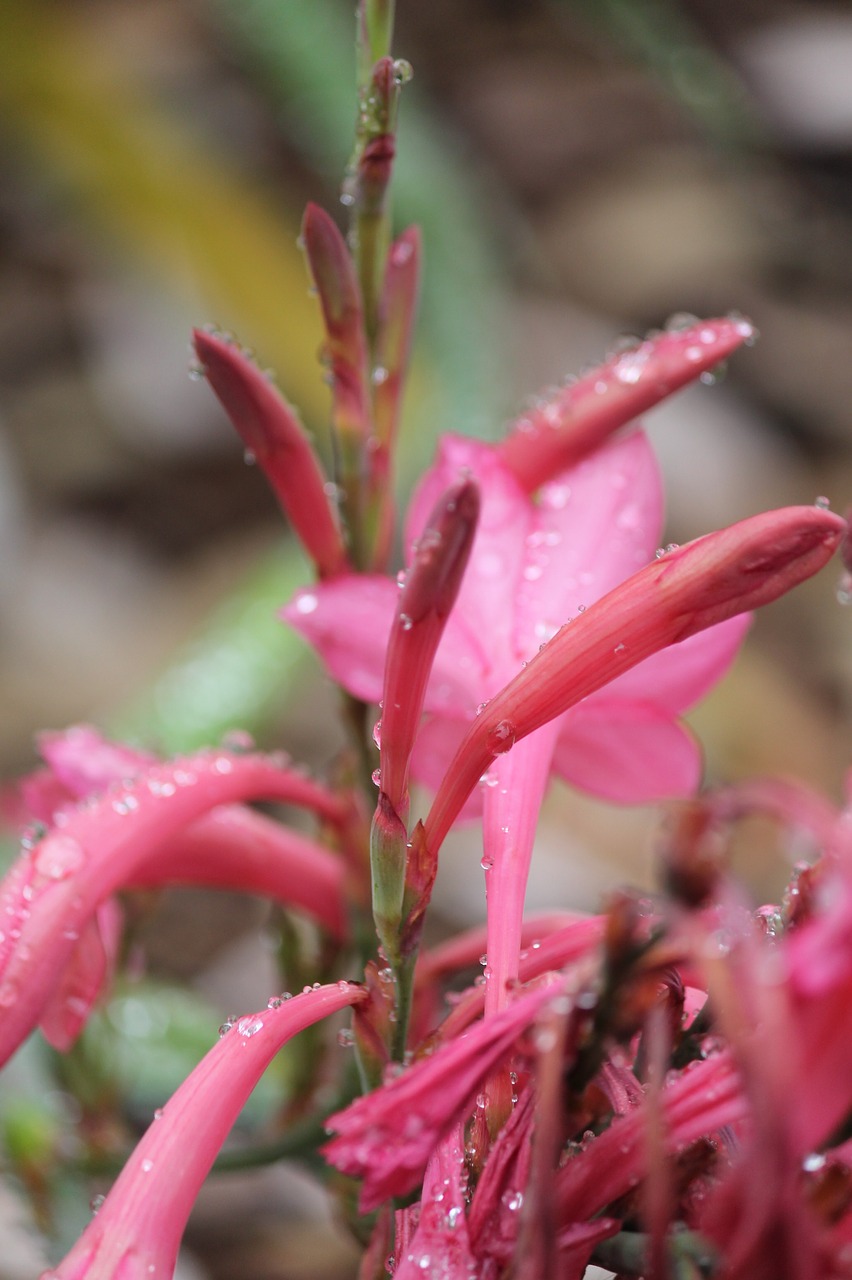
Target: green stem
pixel 404 982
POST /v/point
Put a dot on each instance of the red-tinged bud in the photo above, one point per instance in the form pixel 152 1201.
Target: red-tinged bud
pixel 685 591
pixel 272 432
pixel 431 586
pixel 563 429
pixel 333 273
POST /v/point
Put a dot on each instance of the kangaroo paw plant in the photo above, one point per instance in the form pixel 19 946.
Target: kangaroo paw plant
pixel 664 1089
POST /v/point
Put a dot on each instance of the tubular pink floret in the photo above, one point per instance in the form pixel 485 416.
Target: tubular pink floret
pixel 137 1231
pixel 687 590
pixel 567 427
pixel 58 882
pixel 270 429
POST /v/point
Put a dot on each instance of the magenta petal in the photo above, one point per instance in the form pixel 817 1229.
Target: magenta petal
pixel 632 753
pixel 138 1228
pixel 441 1245
pixel 388 1137
pixel 677 677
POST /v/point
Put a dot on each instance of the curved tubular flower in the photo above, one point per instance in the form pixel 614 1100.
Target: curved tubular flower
pixel 58 883
pixel 136 1233
pixel 689 589
pixel 388 1137
pixel 564 428
pixel 270 429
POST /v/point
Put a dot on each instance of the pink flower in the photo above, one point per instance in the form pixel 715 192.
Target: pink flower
pixel 534 566
pixel 170 823
pixel 388 1137
pixel 137 1231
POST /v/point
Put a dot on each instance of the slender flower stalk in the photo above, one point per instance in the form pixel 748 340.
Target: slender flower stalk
pixel 393 350
pixel 275 438
pixel 136 1233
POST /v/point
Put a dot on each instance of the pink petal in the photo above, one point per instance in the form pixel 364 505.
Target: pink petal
pixel 631 753
pixel 593 526
pixel 84 977
pixel 138 1228
pixel 441 1245
pixel 486 598
pixel 435 746
pixel 85 761
pixel 677 677
pixel 348 621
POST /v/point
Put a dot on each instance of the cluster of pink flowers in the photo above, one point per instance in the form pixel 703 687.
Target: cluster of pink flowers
pixel 664 1089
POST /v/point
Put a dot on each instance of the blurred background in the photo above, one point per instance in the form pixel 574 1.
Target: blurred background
pixel 582 169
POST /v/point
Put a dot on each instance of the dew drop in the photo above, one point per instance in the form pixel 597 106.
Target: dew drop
pixel 58 857
pixel 249 1026
pixel 306 603
pixel 95 1203
pixel 405 622
pixel 402 71
pixel 249 457
pixel 376 775
pixel 502 737
pixel 377 734
pixel 146 1166
pixel 680 321
pixel 822 502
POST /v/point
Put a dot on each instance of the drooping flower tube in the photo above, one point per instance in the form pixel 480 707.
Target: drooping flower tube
pixel 169 823
pixel 137 1231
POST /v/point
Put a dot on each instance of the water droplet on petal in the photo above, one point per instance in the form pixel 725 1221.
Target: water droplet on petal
pixel 307 602
pixel 59 856
pixel 502 737
pixel 249 1026
pixel 680 321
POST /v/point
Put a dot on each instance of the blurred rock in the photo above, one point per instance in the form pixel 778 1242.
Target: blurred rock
pixel 798 68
